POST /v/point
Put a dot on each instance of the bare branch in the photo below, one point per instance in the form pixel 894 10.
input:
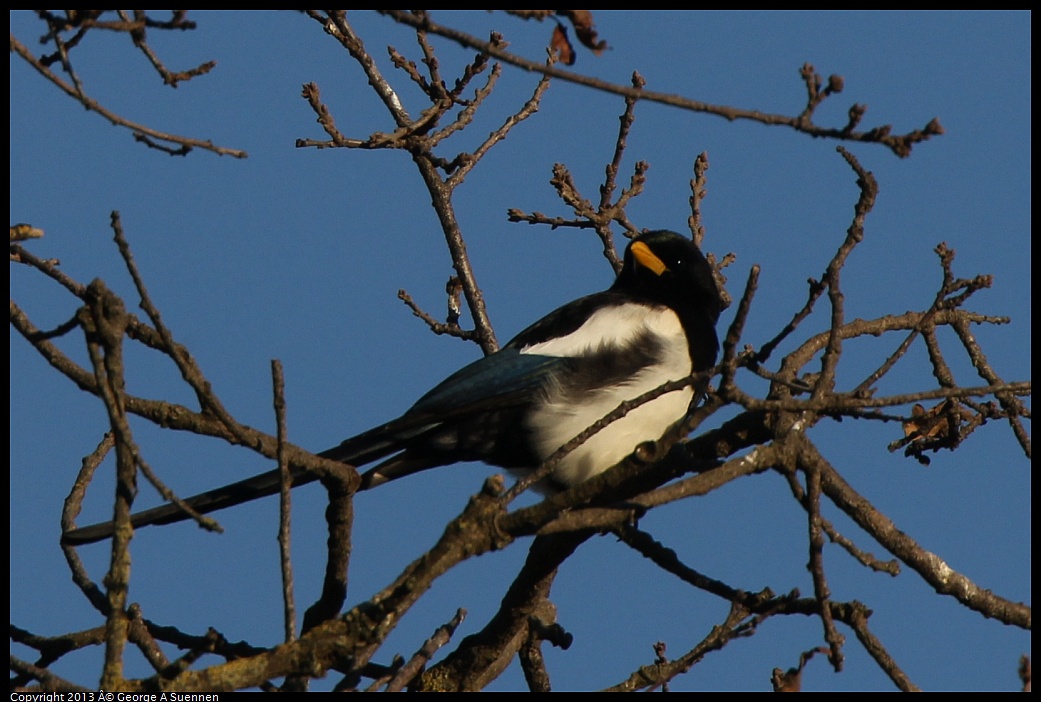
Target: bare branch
pixel 284 503
pixel 181 145
pixel 900 145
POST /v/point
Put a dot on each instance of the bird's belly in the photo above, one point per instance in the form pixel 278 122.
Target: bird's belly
pixel 561 419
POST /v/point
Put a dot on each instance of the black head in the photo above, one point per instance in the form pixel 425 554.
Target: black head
pixel 664 268
pixel 669 269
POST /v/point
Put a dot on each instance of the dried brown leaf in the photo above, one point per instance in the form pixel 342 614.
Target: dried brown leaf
pixel 561 45
pixel 582 21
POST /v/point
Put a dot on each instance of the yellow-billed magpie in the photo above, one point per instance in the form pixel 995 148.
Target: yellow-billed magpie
pixel 516 407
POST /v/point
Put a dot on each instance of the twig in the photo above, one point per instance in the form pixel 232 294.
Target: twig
pixel 900 145
pixel 657 674
pixel 141 132
pixel 821 591
pixel 858 621
pixel 480 657
pixel 49 682
pixel 450 328
pixel 407 672
pixel 104 321
pixel 854 235
pixel 1007 398
pixel 698 192
pixel 728 366
pixel 284 503
pixel 931 567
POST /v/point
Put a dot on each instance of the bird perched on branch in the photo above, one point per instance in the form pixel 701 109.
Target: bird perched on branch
pixel 516 407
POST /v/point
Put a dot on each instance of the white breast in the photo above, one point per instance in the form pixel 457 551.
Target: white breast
pixel 562 417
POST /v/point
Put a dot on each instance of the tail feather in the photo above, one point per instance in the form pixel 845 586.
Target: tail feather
pixel 355 451
pixel 395 467
pixel 220 498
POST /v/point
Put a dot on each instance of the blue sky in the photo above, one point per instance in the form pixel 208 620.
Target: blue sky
pixel 298 254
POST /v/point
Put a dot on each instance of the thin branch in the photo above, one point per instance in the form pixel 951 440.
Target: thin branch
pixel 666 559
pixel 733 336
pixel 874 647
pixel 527 110
pixel 821 591
pixel 408 672
pixel 698 192
pixel 141 132
pixel 449 328
pixel 71 510
pixel 104 321
pixel 137 35
pixel 284 503
pixel 657 674
pixel 854 235
pixel 815 290
pixel 49 682
pixel 139 634
pixel 891 567
pixel 339 520
pixel 931 567
pixel 1008 400
pixel 900 145
pixel 482 656
pixel 842 404
pixel 336 26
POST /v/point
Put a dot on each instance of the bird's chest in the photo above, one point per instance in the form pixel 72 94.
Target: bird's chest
pixel 622 358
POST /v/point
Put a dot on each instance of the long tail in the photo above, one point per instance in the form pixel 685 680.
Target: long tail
pixel 357 450
pixel 228 496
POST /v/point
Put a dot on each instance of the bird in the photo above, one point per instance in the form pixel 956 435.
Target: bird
pixel 515 407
